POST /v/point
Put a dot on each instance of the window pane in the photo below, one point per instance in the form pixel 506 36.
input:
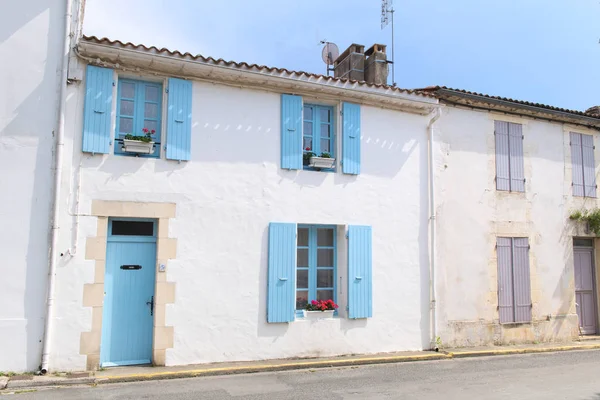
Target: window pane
pixel 325 258
pixel 126 107
pixel 325 237
pixel 133 228
pixel 127 90
pixel 324 294
pixel 308 129
pixel 325 115
pixel 126 125
pixel 307 144
pixel 583 242
pixel 324 278
pixel 308 113
pixel 151 125
pixel 150 110
pixel 301 299
pixel 325 145
pixel 302 258
pixel 325 130
pixel 302 279
pixel 302 236
pixel 152 93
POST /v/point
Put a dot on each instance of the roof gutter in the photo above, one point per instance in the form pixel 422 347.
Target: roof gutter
pixel 585 120
pixel 107 54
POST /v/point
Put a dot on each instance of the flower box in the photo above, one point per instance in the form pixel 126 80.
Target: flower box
pixel 322 162
pixel 137 146
pixel 318 314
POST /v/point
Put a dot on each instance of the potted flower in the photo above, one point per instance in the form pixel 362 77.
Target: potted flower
pixel 306 156
pixel 318 309
pixel 324 161
pixel 139 143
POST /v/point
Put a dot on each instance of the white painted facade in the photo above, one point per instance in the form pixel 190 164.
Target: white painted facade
pixel 225 197
pixel 32 33
pixel 471 214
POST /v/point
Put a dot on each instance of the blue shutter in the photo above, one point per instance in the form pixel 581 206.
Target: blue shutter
pixel 351 138
pixel 97 109
pixel 589 166
pixel 505 280
pixel 517 169
pixel 291 131
pixel 577 164
pixel 522 280
pixel 502 157
pixel 179 120
pixel 282 272
pixel 360 281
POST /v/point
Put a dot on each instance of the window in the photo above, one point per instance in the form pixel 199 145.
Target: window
pixel 138 108
pixel 583 164
pixel 510 173
pixel 315 264
pixel 317 132
pixel 514 287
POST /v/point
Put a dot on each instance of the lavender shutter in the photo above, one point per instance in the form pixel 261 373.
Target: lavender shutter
pixel 517 169
pixel 502 156
pixel 505 287
pixel 589 167
pixel 577 164
pixel 522 281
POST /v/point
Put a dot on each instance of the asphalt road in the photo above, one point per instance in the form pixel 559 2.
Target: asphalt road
pixel 571 375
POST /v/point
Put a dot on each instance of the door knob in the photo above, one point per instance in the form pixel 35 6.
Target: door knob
pixel 151 304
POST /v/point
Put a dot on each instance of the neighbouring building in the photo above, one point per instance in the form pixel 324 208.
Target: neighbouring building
pixel 512 267
pixel 200 204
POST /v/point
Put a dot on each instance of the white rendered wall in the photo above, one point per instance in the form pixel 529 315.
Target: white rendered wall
pixel 471 214
pixel 30 49
pixel 226 196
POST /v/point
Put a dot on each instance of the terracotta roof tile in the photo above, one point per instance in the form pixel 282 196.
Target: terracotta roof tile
pixel 244 65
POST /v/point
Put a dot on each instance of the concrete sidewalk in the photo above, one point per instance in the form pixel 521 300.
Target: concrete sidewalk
pixel 142 373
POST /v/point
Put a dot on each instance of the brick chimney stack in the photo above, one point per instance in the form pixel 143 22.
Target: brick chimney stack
pixel 376 66
pixel 351 63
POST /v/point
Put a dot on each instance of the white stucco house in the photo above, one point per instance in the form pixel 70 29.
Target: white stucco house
pixel 172 209
pixel 512 267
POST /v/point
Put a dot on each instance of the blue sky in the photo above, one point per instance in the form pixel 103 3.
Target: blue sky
pixel 544 51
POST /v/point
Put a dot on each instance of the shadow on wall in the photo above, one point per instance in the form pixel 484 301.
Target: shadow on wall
pixel 31 125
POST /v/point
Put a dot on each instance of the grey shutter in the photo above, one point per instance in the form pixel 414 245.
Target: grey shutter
pixel 522 280
pixel 589 166
pixel 502 155
pixel 517 169
pixel 505 287
pixel 577 164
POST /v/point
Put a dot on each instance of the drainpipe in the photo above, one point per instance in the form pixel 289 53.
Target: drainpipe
pixel 58 156
pixel 432 223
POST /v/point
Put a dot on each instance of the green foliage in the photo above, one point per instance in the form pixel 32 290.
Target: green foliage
pixel 591 217
pixel 325 155
pixel 306 157
pixel 145 138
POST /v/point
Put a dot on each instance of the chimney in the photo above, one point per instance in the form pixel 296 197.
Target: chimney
pixel 376 65
pixel 351 63
pixel 593 111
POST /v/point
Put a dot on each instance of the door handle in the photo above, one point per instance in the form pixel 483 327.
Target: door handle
pixel 151 304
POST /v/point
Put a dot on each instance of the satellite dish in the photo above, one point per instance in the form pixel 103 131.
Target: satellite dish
pixel 330 53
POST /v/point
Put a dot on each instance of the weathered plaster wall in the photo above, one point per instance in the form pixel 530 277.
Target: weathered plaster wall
pixel 225 198
pixel 471 214
pixel 30 47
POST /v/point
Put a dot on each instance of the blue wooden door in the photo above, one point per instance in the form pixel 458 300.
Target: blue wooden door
pixel 129 295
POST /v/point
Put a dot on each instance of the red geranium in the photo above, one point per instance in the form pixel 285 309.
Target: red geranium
pixel 321 305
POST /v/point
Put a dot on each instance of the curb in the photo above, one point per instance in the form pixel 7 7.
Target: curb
pixel 270 368
pixel 49 382
pixel 529 350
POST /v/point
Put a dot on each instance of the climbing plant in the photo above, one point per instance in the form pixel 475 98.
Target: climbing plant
pixel 591 217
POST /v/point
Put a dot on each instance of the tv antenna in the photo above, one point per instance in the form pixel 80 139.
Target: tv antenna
pixel 387 16
pixel 329 54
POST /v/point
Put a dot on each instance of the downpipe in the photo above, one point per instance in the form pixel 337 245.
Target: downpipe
pixel 432 229
pixel 60 135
